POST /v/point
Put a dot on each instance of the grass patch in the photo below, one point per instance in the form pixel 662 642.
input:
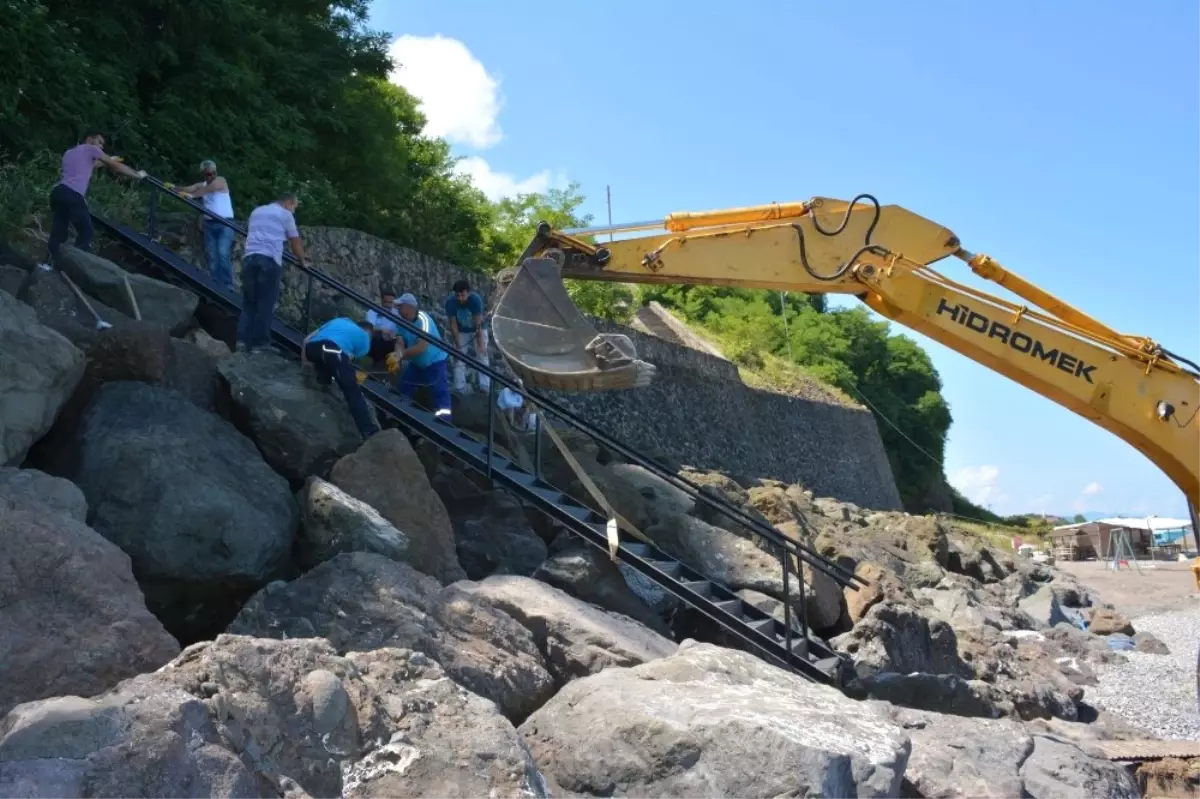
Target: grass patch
pixel 998 536
pixel 786 377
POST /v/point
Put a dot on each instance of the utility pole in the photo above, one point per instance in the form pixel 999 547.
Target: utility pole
pixel 608 195
pixel 783 313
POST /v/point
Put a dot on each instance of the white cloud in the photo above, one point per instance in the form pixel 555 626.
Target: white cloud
pixel 1091 489
pixel 980 484
pixel 501 184
pixel 460 100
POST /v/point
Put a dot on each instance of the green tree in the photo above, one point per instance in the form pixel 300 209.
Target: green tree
pixel 281 94
pixel 1079 518
pixel 889 373
pixel 514 224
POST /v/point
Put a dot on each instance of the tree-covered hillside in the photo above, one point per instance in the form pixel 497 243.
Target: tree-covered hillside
pixel 280 94
pixel 296 95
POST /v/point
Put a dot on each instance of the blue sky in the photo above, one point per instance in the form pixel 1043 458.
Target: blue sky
pixel 1059 137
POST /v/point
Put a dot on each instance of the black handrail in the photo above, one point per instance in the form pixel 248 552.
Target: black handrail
pixel 832 569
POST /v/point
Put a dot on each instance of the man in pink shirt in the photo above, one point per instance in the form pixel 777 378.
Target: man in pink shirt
pixel 67 199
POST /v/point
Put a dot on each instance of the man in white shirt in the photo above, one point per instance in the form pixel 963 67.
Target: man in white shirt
pixel 213 191
pixel 383 330
pixel 262 268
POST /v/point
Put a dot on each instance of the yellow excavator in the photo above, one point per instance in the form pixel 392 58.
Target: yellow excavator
pixel 883 255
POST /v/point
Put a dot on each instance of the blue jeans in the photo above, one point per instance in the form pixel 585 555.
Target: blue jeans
pixel 68 207
pixel 260 292
pixel 218 244
pixel 331 363
pixel 435 378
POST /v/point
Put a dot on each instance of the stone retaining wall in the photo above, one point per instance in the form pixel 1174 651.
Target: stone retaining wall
pixel 697 411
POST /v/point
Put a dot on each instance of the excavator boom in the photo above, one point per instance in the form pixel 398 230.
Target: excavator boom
pixel 882 255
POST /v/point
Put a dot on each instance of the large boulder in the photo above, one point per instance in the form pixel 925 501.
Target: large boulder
pixel 147 353
pixel 362 601
pixel 386 474
pixel 896 638
pixel 880 585
pixel 959 757
pixel 576 638
pixel 586 573
pixel 1106 621
pixel 722 556
pixel 708 721
pixel 26 487
pixel 300 428
pixel 12 279
pixel 72 619
pixel 332 522
pixel 59 308
pixel 245 717
pixel 158 302
pixel 493 536
pixel 39 370
pixel 187 497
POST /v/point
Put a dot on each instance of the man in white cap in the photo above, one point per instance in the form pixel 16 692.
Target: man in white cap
pixel 423 363
pixel 213 191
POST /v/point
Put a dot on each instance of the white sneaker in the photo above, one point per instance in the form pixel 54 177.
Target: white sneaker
pixel 46 267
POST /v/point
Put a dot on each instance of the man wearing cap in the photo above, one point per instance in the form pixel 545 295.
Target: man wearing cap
pixel 331 349
pixel 213 191
pixel 423 363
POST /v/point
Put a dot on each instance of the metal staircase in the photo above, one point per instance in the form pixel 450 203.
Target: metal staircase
pixel 775 640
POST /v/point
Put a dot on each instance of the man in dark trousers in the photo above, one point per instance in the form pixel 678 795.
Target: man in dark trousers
pixel 332 348
pixel 68 198
pixel 270 227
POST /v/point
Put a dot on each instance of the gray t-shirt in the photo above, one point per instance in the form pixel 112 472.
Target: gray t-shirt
pixel 270 226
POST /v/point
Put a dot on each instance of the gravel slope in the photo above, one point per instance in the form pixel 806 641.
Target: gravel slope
pixel 1156 692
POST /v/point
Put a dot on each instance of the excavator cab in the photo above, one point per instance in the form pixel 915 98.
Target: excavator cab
pixel 549 343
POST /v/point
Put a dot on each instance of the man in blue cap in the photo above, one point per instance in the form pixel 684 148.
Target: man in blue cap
pixel 423 363
pixel 332 348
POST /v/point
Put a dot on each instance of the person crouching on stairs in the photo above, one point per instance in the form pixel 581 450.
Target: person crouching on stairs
pixel 332 348
pixel 426 363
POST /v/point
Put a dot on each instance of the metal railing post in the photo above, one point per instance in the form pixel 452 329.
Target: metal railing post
pixel 308 304
pixel 491 426
pixel 152 214
pixel 537 445
pixel 787 606
pixel 803 603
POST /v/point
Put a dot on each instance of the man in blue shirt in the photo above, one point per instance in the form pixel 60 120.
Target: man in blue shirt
pixel 464 309
pixel 331 349
pixel 424 364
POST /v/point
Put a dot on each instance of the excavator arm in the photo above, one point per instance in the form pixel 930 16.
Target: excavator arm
pixel 882 255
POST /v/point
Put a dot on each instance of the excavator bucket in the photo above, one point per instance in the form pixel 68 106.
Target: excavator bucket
pixel 551 345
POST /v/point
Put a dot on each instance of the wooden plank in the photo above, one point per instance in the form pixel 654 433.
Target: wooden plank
pixel 1148 750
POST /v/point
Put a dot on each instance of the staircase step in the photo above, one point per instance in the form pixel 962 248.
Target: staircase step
pixel 732 606
pixel 765 626
pixel 670 568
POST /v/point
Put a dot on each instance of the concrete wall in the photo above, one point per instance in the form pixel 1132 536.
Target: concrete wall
pixel 697 411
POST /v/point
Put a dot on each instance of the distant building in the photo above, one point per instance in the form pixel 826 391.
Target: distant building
pixel 1087 540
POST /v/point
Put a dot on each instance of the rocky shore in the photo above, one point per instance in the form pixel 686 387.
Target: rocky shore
pixel 211 587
